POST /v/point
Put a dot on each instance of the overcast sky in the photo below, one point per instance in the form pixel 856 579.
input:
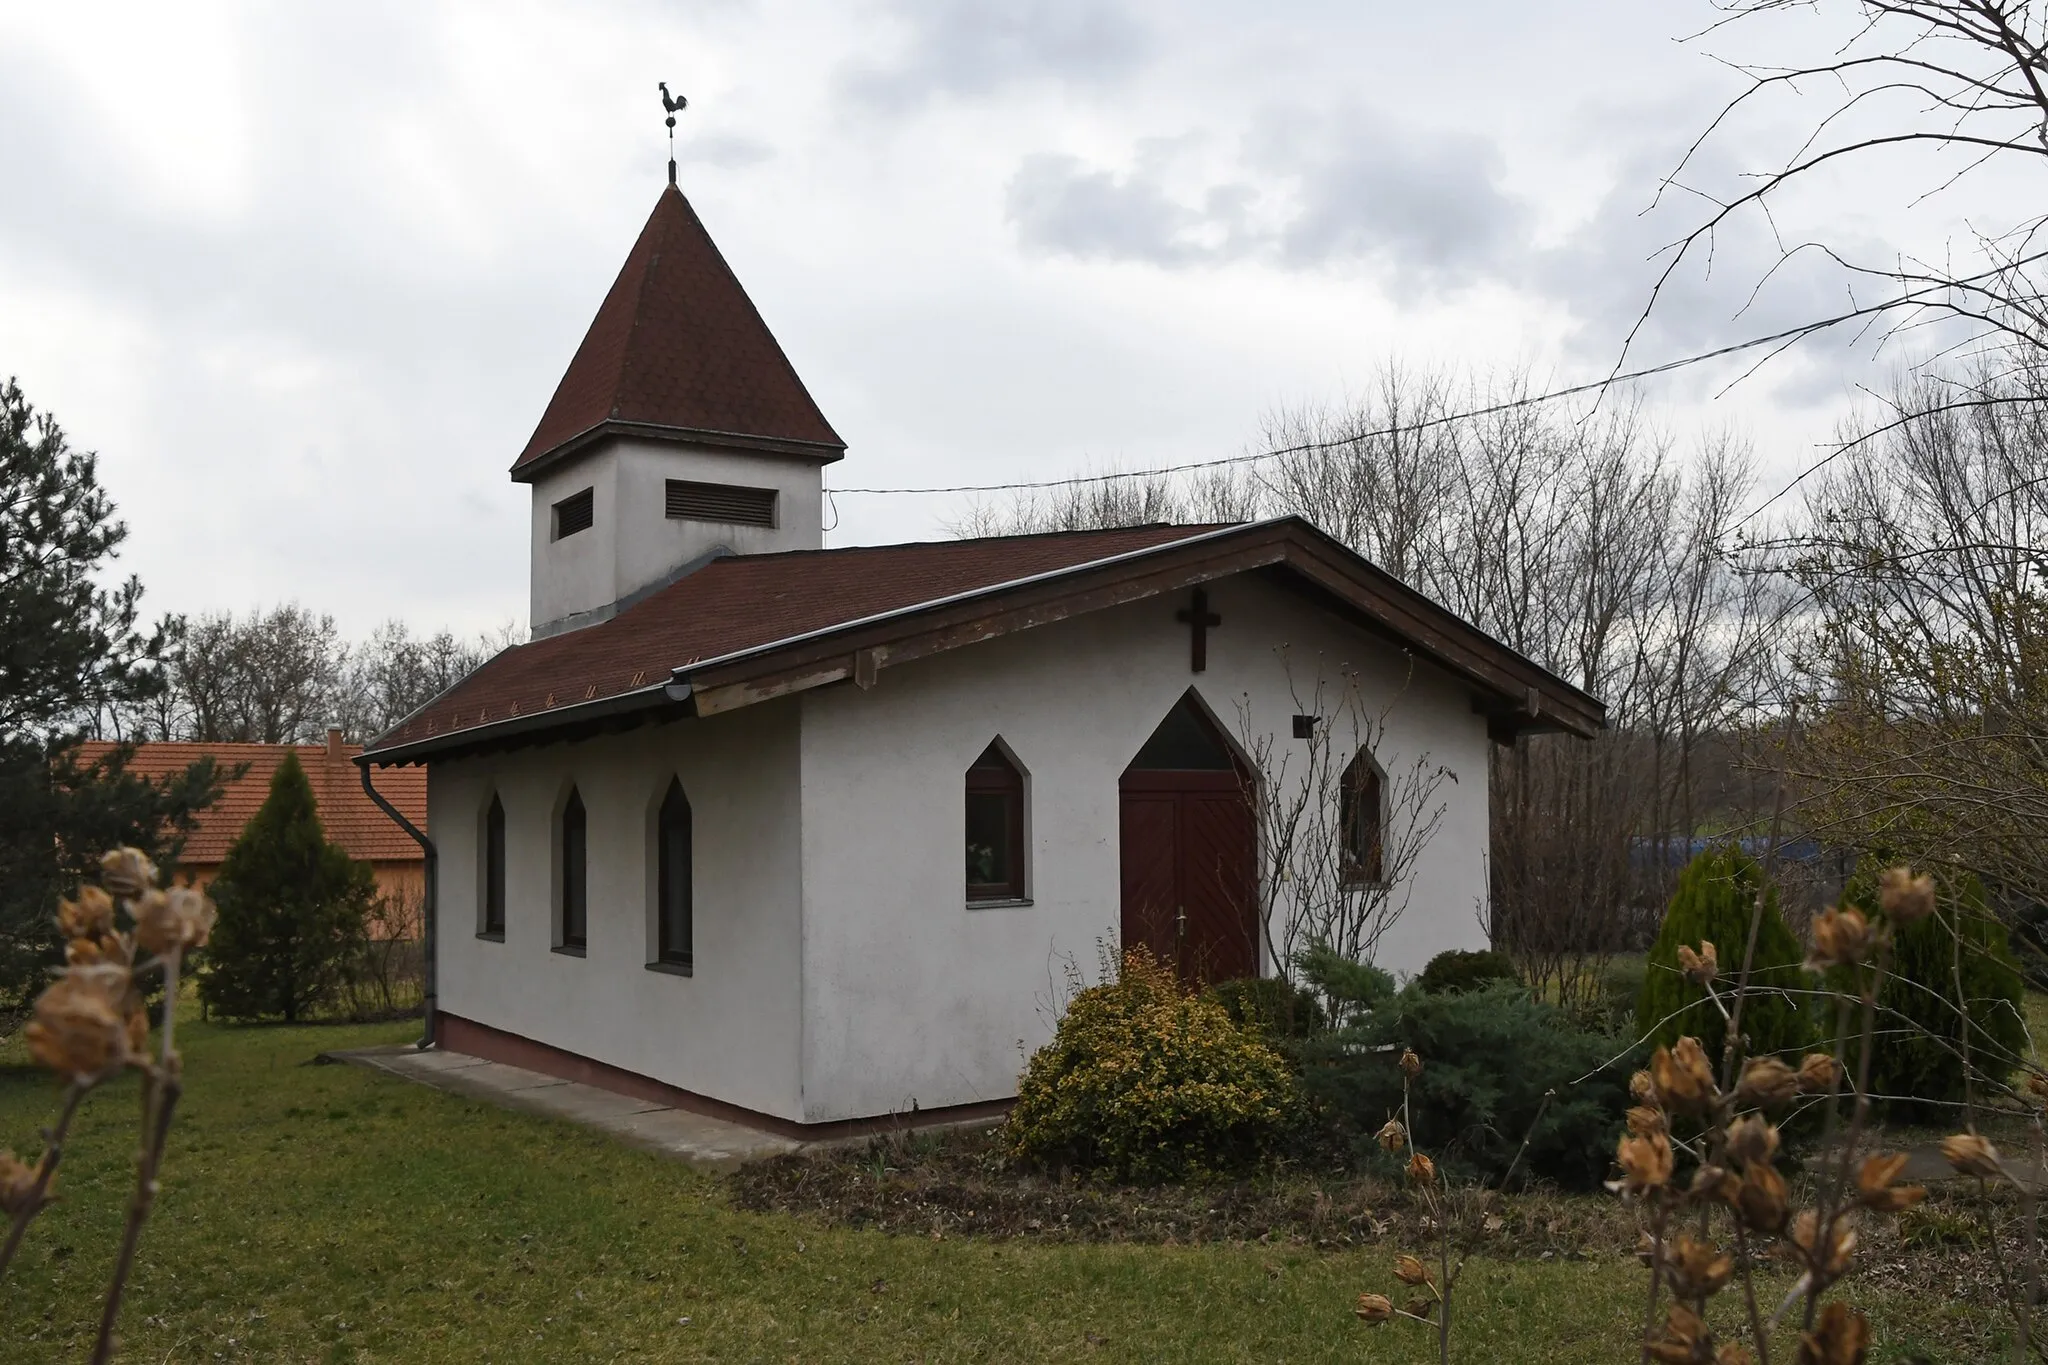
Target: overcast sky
pixel 306 276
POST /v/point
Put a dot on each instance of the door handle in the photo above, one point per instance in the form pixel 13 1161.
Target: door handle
pixel 1180 921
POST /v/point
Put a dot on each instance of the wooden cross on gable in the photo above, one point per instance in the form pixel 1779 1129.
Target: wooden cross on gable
pixel 1197 617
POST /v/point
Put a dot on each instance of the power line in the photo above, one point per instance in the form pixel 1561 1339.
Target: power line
pixel 1312 447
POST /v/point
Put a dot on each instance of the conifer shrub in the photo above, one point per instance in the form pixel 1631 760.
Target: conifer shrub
pixel 1273 1006
pixel 1492 1052
pixel 292 910
pixel 1714 901
pixel 1463 971
pixel 1143 1081
pixel 1918 1047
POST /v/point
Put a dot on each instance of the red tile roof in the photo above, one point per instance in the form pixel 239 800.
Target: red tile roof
pixel 348 816
pixel 744 601
pixel 678 345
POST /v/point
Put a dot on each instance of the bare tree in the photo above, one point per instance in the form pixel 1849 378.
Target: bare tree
pixel 1920 103
pixel 284 675
pixel 1924 660
pixel 1104 500
pixel 394 673
pixel 1336 873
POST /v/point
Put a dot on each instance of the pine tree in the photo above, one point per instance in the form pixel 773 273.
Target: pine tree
pixel 73 656
pixel 292 910
pixel 1919 1047
pixel 1715 898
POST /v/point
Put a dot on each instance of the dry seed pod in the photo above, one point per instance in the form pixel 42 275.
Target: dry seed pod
pixel 1697 1269
pixel 90 916
pixel 1833 1259
pixel 1374 1308
pixel 1686 1340
pixel 1760 1199
pixel 1700 967
pixel 1971 1155
pixel 1905 898
pixel 79 1029
pixel 1818 1072
pixel 1842 937
pixel 127 873
pixel 1841 1337
pixel 1874 1187
pixel 1645 1162
pixel 1411 1065
pixel 1752 1139
pixel 17 1185
pixel 1393 1136
pixel 1410 1270
pixel 1421 1170
pixel 1643 1121
pixel 1683 1077
pixel 175 920
pixel 1767 1083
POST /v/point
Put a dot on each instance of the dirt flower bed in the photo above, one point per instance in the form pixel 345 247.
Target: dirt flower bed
pixel 957 1183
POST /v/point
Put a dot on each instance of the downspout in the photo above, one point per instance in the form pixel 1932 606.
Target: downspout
pixel 427 906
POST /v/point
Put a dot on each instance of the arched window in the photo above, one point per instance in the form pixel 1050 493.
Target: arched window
pixel 494 868
pixel 1362 821
pixel 995 828
pixel 575 873
pixel 672 900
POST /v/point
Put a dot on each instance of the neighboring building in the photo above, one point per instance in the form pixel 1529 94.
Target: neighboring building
pixel 757 825
pixel 349 817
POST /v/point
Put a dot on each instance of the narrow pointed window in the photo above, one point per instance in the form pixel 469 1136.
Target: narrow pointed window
pixel 494 868
pixel 995 828
pixel 1362 822
pixel 673 928
pixel 575 873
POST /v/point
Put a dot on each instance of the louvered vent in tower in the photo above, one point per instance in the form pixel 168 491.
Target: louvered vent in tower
pixel 689 501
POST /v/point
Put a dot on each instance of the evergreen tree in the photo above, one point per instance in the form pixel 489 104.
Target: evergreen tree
pixel 73 656
pixel 1715 898
pixel 1919 1048
pixel 292 910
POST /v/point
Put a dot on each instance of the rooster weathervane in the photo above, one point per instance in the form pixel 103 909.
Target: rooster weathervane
pixel 673 104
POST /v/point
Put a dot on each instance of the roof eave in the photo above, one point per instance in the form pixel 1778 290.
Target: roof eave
pixel 530 467
pixel 1513 685
pixel 517 729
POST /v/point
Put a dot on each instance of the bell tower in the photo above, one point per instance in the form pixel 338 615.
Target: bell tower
pixel 680 430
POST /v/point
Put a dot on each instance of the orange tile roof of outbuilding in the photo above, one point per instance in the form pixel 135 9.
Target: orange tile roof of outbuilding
pixel 678 346
pixel 348 816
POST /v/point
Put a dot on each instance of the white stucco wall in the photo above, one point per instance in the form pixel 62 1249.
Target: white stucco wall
pixel 910 996
pixel 731 1030
pixel 839 971
pixel 632 542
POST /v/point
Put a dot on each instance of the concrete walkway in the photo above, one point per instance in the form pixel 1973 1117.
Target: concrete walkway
pixel 704 1142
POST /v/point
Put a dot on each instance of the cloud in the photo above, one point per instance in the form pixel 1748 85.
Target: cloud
pixel 1060 206
pixel 1738 284
pixel 977 47
pixel 1302 191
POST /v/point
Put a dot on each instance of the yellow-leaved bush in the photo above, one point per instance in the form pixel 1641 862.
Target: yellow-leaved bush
pixel 1144 1081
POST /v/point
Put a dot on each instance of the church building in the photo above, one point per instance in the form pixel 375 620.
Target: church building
pixel 813 836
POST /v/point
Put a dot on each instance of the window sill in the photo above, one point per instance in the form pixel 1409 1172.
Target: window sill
pixel 673 968
pixel 1001 903
pixel 569 949
pixel 491 935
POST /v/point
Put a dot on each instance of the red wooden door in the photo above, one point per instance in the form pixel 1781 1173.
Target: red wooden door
pixel 1189 881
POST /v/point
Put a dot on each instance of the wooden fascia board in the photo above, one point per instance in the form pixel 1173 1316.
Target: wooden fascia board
pixel 1454 644
pixel 1388 608
pixel 745 682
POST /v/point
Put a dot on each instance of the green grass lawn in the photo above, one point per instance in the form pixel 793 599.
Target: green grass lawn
pixel 328 1213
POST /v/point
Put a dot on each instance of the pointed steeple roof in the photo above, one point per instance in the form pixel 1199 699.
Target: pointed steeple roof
pixel 677 351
